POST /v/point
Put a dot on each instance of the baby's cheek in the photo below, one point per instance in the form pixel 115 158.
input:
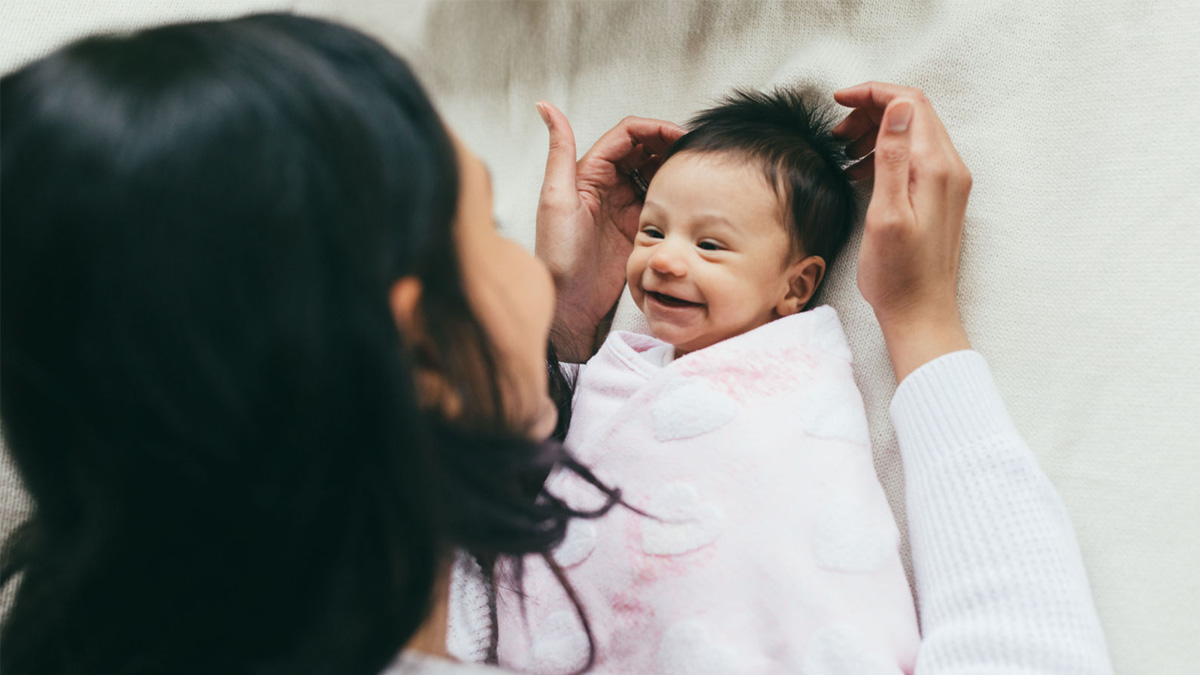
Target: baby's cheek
pixel 633 276
pixel 734 315
pixel 633 267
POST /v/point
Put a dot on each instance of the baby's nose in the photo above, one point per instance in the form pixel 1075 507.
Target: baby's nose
pixel 666 260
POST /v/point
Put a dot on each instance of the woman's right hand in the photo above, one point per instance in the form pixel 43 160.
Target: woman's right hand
pixel 587 218
pixel 908 263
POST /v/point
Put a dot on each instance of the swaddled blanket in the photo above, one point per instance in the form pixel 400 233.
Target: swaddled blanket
pixel 767 544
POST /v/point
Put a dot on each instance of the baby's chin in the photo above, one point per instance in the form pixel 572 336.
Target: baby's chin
pixel 695 346
pixel 687 340
pixel 684 341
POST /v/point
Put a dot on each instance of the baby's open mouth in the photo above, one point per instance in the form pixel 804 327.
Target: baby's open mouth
pixel 671 301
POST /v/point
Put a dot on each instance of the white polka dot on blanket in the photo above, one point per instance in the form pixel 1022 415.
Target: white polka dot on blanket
pixel 684 523
pixel 851 538
pixel 577 545
pixel 688 649
pixel 839 649
pixel 833 409
pixel 560 645
pixel 688 407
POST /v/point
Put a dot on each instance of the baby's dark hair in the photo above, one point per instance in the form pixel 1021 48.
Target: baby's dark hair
pixel 789 138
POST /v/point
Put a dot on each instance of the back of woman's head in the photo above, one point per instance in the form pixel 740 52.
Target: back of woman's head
pixel 203 387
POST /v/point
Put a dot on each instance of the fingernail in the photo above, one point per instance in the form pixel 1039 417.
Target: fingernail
pixel 541 108
pixel 899 117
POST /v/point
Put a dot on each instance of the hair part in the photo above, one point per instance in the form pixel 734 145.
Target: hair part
pixel 790 140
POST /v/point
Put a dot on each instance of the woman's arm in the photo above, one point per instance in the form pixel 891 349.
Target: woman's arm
pixel 1000 581
pixel 999 577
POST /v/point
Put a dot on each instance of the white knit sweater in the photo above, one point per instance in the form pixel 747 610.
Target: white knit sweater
pixel 1000 583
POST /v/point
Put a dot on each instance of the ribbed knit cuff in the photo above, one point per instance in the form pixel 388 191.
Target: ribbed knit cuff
pixel 468 630
pixel 946 405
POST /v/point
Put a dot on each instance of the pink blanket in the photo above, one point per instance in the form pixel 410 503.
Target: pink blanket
pixel 772 548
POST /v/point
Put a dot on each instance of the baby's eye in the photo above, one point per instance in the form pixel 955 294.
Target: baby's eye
pixel 708 245
pixel 652 232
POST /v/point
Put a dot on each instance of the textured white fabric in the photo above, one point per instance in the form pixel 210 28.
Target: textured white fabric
pixel 469 619
pixel 1080 122
pixel 416 663
pixel 996 563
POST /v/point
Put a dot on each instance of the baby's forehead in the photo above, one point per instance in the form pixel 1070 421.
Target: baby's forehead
pixel 730 184
pixel 734 164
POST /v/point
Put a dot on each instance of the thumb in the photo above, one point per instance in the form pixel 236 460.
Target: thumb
pixel 893 155
pixel 560 162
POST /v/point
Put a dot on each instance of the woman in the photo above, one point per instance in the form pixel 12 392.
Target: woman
pixel 268 364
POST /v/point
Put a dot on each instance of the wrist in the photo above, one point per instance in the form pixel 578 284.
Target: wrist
pixel 914 341
pixel 575 333
pixel 571 346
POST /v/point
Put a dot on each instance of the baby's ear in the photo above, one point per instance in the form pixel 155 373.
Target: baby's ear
pixel 803 277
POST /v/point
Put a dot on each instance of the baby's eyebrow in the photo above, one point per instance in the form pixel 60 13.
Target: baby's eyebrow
pixel 714 218
pixel 701 219
pixel 717 219
pixel 653 206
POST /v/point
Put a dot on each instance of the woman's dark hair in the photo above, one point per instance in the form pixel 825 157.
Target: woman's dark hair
pixel 789 140
pixel 203 387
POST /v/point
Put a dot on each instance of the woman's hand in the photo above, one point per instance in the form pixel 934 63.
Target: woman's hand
pixel 908 264
pixel 587 218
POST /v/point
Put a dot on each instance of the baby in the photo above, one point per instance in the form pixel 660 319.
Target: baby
pixel 764 542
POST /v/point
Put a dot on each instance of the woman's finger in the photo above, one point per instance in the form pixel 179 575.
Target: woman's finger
pixel 875 95
pixel 661 139
pixel 863 169
pixel 618 143
pixel 657 135
pixel 651 167
pixel 859 122
pixel 637 158
pixel 863 146
pixel 870 99
pixel 623 171
pixel 560 161
pixel 935 165
pixel 893 156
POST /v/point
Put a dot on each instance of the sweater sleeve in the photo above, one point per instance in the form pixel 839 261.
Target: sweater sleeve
pixel 1000 581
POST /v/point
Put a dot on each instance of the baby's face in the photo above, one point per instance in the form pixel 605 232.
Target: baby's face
pixel 709 259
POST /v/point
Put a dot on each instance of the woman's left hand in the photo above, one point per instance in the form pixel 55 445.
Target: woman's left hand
pixel 912 231
pixel 587 218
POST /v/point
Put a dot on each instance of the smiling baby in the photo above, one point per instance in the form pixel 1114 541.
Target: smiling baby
pixel 741 222
pixel 760 540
